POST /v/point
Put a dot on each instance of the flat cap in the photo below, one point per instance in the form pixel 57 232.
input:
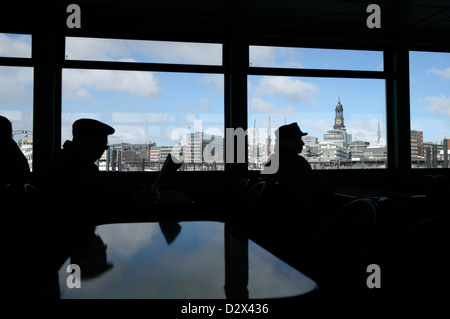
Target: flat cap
pixel 90 127
pixel 290 130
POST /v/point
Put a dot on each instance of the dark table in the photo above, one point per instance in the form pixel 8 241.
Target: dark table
pixel 185 260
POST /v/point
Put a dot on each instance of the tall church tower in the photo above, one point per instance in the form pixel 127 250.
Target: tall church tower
pixel 339 117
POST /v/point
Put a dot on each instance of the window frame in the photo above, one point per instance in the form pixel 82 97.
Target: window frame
pixel 425 49
pixel 149 66
pixel 47 60
pixel 385 74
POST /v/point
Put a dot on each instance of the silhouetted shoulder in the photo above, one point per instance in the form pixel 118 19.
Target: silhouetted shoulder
pixel 294 162
pixel 13 164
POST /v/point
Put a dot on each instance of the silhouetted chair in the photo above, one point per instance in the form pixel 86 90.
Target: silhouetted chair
pixel 337 249
pixel 441 201
pixel 25 235
pixel 284 214
pixel 281 222
pixel 243 211
pixel 393 218
pixel 239 189
pixel 418 260
pixel 435 187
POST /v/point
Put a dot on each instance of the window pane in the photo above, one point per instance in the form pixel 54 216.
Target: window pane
pixel 430 109
pixel 354 139
pixel 299 58
pixel 153 113
pixel 94 49
pixel 16 104
pixel 15 45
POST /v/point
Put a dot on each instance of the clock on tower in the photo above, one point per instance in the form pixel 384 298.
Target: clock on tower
pixel 339 117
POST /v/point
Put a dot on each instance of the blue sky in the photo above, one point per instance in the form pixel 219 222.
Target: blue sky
pixel 149 106
pixel 430 94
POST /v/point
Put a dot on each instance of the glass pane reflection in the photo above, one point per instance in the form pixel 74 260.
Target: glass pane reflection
pixel 143 263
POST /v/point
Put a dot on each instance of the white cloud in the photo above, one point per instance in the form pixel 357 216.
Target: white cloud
pixel 444 73
pixel 76 83
pixel 126 241
pixel 133 134
pixel 12 115
pixel 215 81
pixel 364 130
pixel 145 51
pixel 262 56
pixel 181 52
pixel 15 84
pixel 438 104
pixel 95 49
pixel 148 117
pixel 317 125
pixel 259 105
pixel 295 90
pixel 15 46
pixel 202 105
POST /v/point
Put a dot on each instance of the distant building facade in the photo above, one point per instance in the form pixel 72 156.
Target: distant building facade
pixel 417 148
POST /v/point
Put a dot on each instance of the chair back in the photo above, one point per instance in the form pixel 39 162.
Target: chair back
pixel 337 249
pixel 418 260
pixel 243 211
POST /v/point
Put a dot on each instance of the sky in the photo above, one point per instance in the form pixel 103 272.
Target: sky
pixel 164 106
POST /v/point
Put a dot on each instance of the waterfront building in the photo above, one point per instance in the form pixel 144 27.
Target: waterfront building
pixel 202 147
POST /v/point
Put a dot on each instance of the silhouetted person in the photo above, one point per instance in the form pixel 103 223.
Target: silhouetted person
pixel 19 208
pixel 73 178
pixel 294 172
pixel 294 201
pixel 13 164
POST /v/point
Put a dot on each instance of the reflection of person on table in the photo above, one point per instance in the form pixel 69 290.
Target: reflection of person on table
pixel 91 256
pixel 170 230
pixel 74 180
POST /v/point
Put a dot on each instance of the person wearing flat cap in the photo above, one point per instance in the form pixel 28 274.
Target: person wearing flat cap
pixel 73 180
pixel 288 146
pixel 298 188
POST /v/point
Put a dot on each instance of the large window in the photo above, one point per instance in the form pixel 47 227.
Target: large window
pixel 156 106
pixel 16 89
pixel 336 96
pixel 430 109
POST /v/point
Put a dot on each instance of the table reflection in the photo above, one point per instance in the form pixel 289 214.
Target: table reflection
pixel 179 260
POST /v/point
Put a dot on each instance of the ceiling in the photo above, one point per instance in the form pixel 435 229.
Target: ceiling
pixel 421 19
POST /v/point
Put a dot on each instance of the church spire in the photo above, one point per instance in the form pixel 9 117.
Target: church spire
pixel 379 132
pixel 339 117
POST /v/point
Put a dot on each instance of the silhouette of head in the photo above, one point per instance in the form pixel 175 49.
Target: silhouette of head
pixel 289 138
pixel 92 258
pixel 5 128
pixel 92 136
